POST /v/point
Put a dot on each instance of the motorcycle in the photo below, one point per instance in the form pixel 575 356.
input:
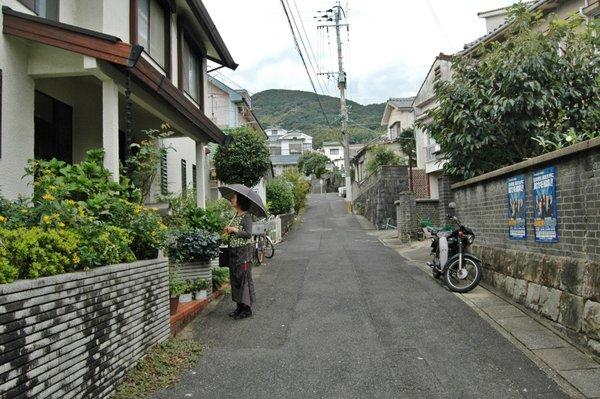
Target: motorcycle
pixel 460 270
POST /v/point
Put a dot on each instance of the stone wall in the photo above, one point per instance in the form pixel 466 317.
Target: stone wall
pixel 560 280
pixel 75 335
pixel 427 209
pixel 378 193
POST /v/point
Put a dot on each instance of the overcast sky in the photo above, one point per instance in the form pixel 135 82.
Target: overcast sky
pixel 391 45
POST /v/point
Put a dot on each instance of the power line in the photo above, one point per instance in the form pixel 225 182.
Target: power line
pixel 311 48
pixel 303 44
pixel 304 62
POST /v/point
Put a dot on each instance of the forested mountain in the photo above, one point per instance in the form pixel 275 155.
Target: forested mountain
pixel 293 109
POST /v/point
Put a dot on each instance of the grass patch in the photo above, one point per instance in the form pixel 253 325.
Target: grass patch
pixel 160 369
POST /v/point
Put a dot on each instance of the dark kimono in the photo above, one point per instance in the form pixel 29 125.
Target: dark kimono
pixel 240 262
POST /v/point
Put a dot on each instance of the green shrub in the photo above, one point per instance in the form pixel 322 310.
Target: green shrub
pixel 300 188
pixel 280 196
pixel 313 163
pixel 104 245
pixel 220 275
pixel 194 245
pixel 8 272
pixel 186 214
pixel 382 156
pixel 36 252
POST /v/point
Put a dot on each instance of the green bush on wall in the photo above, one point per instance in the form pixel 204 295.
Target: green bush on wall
pixel 280 196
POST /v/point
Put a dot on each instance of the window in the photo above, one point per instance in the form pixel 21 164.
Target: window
pixel 183 176
pixel 437 73
pixel 334 151
pixel 191 72
pixel 151 29
pixel 43 8
pixel 295 148
pixel 164 178
pixel 194 177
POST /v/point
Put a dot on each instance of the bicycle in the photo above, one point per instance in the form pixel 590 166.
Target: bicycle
pixel 387 225
pixel 263 245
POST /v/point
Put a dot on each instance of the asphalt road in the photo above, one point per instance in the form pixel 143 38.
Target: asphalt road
pixel 339 315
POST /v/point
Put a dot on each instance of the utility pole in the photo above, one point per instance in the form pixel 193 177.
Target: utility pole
pixel 335 15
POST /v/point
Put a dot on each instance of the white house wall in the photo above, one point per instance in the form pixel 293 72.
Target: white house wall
pixel 17 112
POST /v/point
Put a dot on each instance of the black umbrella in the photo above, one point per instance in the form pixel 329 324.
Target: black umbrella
pixel 256 205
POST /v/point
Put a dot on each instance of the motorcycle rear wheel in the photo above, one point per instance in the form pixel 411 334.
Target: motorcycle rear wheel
pixel 462 285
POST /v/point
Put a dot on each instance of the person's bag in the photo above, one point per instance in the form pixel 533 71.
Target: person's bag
pixel 224 256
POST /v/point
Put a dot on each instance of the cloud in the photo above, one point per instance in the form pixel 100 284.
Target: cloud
pixel 391 45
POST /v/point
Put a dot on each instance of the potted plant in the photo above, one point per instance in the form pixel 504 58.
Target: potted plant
pixel 201 289
pixel 176 288
pixel 192 250
pixel 186 295
pixel 220 276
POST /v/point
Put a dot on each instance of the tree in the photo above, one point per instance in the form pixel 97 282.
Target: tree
pixel 518 95
pixel 381 155
pixel 313 163
pixel 245 160
pixel 408 144
pixel 280 197
pixel 300 188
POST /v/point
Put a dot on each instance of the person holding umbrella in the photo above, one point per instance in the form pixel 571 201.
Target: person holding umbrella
pixel 246 203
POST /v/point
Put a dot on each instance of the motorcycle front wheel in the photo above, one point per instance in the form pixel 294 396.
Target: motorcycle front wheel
pixel 465 279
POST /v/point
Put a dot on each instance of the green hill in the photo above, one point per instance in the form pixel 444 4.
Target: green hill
pixel 293 109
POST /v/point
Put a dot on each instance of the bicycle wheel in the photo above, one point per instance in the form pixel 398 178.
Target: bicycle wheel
pixel 259 250
pixel 269 248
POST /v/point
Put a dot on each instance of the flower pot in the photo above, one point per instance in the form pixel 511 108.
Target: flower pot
pixel 174 303
pixel 201 295
pixel 184 298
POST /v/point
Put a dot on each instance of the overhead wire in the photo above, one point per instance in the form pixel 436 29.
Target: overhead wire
pixel 319 77
pixel 310 62
pixel 303 61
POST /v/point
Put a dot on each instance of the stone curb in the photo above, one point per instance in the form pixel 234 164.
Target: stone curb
pixel 544 358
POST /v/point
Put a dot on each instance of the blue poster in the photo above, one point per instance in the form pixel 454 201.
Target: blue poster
pixel 545 214
pixel 517 208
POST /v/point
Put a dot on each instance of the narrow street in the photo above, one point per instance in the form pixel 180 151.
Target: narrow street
pixel 339 315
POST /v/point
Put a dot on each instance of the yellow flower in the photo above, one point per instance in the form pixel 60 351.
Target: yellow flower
pixel 2 219
pixel 61 225
pixel 46 219
pixel 70 202
pixel 48 197
pixel 76 259
pixel 55 216
pixel 154 209
pixel 24 210
pixel 137 209
pixel 51 188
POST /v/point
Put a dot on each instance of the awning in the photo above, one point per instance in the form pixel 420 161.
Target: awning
pixel 124 56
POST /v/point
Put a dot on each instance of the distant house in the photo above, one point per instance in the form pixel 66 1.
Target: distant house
pixel 398 115
pixel 284 163
pixel 334 150
pixel 229 108
pixel 283 142
pixel 78 75
pixel 428 156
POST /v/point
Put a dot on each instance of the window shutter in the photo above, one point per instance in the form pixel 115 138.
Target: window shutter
pixel 183 176
pixel 164 178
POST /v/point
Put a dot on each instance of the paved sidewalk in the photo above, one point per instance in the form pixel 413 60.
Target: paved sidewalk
pixel 576 372
pixel 340 315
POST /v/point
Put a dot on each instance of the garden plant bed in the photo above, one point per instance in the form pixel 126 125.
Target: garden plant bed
pixel 186 312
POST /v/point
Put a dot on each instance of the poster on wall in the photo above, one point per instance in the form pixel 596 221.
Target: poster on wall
pixel 545 214
pixel 517 209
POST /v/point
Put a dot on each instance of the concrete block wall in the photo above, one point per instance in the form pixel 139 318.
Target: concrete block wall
pixel 561 281
pixel 427 209
pixel 75 335
pixel 378 193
